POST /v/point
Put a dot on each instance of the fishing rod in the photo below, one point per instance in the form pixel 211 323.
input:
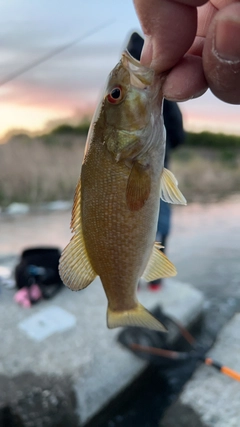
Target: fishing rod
pixel 175 355
pixel 53 53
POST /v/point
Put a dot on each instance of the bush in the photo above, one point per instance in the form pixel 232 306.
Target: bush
pixel 212 140
pixel 65 129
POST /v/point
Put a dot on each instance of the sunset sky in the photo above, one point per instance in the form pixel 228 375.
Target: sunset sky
pixel 69 85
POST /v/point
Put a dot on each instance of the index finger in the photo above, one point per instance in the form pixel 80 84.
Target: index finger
pixel 170 28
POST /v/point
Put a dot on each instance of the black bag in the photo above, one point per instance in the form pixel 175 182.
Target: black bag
pixel 39 265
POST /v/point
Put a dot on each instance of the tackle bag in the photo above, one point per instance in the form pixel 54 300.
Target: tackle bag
pixel 39 265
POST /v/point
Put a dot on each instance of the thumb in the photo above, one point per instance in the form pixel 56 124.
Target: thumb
pixel 169 28
pixel 221 54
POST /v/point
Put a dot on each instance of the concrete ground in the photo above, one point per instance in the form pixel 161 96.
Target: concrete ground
pixel 66 340
pixel 75 364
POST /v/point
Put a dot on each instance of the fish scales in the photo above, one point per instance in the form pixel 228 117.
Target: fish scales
pixel 123 238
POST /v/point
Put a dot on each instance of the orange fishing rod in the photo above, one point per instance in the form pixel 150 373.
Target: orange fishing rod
pixel 223 369
pixel 170 354
pixel 196 352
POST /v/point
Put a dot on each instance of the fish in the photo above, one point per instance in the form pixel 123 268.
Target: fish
pixel 116 202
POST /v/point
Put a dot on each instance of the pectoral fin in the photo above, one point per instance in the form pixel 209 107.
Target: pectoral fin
pixel 138 186
pixel 158 265
pixel 169 191
pixel 75 268
pixel 137 316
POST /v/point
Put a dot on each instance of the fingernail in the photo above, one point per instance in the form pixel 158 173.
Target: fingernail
pixel 227 38
pixel 147 52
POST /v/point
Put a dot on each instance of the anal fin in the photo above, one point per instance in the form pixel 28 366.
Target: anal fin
pixel 137 316
pixel 158 265
pixel 75 268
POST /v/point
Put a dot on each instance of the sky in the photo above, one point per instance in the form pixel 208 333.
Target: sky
pixel 68 86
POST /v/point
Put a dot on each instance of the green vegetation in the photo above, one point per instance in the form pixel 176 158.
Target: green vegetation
pixel 203 139
pixel 66 133
pixel 212 140
pixel 66 129
pixel 217 141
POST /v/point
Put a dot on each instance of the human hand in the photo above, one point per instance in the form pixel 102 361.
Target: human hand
pixel 197 42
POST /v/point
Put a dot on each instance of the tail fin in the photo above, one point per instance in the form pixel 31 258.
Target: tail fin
pixel 137 316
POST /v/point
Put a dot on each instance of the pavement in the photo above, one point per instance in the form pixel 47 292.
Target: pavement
pixel 211 399
pixel 59 361
pixel 67 338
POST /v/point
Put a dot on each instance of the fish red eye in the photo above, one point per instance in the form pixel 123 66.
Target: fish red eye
pixel 115 95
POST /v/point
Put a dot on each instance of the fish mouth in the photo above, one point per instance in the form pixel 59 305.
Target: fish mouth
pixel 140 76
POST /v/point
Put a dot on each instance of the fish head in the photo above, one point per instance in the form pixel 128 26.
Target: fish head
pixel 132 98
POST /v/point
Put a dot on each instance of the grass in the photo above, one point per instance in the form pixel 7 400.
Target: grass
pixel 32 171
pixel 47 168
pixel 206 175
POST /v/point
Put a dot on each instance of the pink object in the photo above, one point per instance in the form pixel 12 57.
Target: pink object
pixel 21 297
pixel 25 296
pixel 35 292
pixel 26 303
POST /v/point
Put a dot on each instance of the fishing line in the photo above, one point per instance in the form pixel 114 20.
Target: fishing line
pixel 53 53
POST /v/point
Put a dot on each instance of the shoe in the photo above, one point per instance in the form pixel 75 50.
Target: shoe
pixel 155 286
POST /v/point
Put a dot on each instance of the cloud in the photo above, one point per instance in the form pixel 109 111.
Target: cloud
pixel 69 82
pixel 209 113
pixel 72 80
pixel 79 72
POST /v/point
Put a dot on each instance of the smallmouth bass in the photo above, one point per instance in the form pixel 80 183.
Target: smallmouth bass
pixel 116 203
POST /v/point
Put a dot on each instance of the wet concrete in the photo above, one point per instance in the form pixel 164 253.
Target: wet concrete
pixel 67 338
pixel 184 415
pixel 35 401
pixel 213 397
